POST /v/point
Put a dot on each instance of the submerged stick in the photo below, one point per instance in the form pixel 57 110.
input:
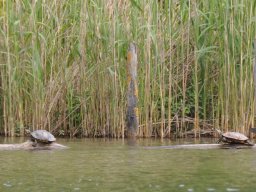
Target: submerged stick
pixel 29 145
pixel 204 146
pixel 132 92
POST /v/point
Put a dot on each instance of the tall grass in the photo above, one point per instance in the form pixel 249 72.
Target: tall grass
pixel 62 66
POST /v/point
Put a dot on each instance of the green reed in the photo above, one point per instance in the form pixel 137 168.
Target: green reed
pixel 63 66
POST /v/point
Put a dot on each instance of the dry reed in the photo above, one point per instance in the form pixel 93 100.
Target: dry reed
pixel 63 66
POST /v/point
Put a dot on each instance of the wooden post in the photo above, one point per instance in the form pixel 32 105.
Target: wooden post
pixel 252 132
pixel 254 73
pixel 132 92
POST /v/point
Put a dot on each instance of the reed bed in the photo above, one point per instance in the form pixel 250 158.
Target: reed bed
pixel 63 66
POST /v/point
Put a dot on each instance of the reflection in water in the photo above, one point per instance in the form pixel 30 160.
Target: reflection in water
pixel 122 165
pixel 132 141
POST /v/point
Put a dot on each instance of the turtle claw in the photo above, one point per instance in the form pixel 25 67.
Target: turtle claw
pixel 34 144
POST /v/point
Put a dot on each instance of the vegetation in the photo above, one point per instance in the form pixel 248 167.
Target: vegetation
pixel 63 66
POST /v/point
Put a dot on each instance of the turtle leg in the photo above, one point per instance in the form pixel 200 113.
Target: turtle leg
pixel 249 143
pixel 34 143
pixel 220 140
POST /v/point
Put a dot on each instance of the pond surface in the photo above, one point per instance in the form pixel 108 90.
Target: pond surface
pixel 114 165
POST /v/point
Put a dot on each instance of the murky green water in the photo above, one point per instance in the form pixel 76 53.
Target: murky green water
pixel 113 165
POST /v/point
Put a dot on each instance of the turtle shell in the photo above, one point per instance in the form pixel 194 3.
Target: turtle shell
pixel 42 136
pixel 235 136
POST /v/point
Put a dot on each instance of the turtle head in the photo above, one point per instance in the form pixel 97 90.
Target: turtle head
pixel 219 131
pixel 27 131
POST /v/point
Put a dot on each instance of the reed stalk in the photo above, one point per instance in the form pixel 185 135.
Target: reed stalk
pixel 62 66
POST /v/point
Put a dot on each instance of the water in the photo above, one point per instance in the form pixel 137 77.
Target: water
pixel 113 165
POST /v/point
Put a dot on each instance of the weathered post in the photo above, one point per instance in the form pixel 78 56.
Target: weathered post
pixel 254 72
pixel 132 92
pixel 253 130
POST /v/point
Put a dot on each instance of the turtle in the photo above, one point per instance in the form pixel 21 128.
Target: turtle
pixel 234 138
pixel 42 136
